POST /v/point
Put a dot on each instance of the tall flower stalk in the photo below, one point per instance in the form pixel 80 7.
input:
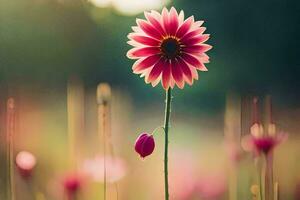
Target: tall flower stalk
pixel 104 101
pixel 75 111
pixel 168 49
pixel 269 182
pixel 166 129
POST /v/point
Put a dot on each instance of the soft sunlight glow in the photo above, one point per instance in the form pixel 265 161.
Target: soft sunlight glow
pixel 133 7
pixel 130 7
pixel 101 3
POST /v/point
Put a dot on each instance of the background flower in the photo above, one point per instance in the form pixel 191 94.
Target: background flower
pixel 25 162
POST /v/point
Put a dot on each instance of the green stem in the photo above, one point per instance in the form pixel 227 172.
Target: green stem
pixel 269 185
pixel 261 190
pixel 166 128
pixel 104 149
pixel 259 174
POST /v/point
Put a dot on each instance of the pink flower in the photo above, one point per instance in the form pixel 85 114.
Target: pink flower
pixel 25 162
pixel 168 48
pixel 258 141
pixel 263 144
pixel 144 145
pixel 72 184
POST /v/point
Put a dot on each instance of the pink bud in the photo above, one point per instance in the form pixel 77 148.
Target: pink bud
pixel 72 183
pixel 144 145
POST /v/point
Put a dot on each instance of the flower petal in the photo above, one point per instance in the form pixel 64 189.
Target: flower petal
pixel 173 21
pixel 183 29
pixel 204 58
pixel 156 71
pixel 136 29
pixel 194 72
pixel 195 40
pixel 172 83
pixel 197 24
pixel 194 33
pixel 186 71
pixel 142 52
pixel 148 29
pixel 144 40
pixel 165 19
pixel 166 75
pixel 177 74
pixel 155 83
pixel 145 63
pixel 194 62
pixel 181 17
pixel 148 146
pixel 139 142
pixel 155 22
pixel 201 48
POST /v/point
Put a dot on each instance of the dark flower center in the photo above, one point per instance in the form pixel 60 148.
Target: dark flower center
pixel 265 144
pixel 170 48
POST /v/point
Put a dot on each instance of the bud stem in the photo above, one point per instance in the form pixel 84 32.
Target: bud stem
pixel 159 127
pixel 269 184
pixel 166 129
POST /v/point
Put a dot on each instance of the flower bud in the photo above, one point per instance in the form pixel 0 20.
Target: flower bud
pixel 144 145
pixel 72 183
pixel 103 93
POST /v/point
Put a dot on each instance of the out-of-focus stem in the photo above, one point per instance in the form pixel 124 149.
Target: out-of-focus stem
pixel 75 103
pixel 269 190
pixel 233 184
pixel 166 128
pixel 260 175
pixel 71 196
pixel 276 191
pixel 232 133
pixel 103 113
pixel 103 99
pixel 10 126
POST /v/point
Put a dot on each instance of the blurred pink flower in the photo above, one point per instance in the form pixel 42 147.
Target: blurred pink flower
pixel 72 183
pixel 259 140
pixel 144 145
pixel 116 168
pixel 168 48
pixel 211 186
pixel 25 162
pixel 263 144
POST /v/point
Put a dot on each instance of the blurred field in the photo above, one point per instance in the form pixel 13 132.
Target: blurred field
pixel 196 142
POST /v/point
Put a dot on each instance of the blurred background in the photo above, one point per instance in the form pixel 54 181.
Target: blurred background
pixel 54 53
